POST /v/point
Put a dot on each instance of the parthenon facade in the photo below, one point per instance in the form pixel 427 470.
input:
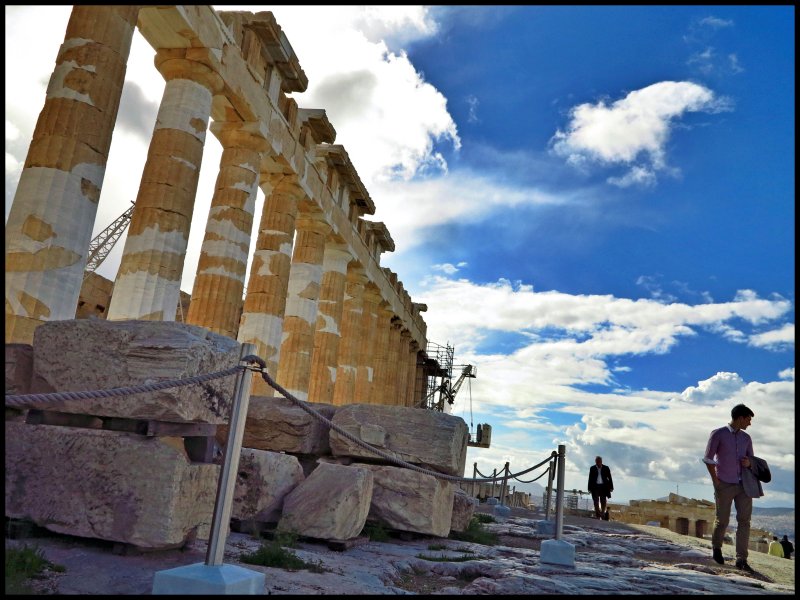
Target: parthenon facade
pixel 332 324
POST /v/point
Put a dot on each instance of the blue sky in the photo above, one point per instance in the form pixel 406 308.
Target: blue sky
pixel 596 204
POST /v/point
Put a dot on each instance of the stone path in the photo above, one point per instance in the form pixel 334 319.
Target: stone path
pixel 610 559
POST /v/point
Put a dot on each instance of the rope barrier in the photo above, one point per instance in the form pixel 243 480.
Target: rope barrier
pixel 545 472
pixel 21 400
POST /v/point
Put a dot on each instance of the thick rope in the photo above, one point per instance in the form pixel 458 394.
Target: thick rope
pixel 21 400
pixel 543 473
pixel 385 455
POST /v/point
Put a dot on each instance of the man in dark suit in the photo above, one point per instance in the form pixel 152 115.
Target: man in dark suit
pixel 600 486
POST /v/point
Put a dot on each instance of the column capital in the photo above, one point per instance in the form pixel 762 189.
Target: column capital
pixel 310 222
pixel 249 135
pixel 172 66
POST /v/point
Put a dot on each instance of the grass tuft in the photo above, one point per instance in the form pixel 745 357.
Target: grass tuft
pixel 476 534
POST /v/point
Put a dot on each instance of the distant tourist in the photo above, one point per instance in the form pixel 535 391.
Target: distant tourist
pixel 775 547
pixel 600 486
pixel 788 547
pixel 728 453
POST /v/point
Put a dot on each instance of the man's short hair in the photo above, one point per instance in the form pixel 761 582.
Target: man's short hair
pixel 740 410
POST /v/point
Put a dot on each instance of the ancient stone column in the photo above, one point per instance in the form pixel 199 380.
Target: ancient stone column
pixel 402 367
pixel 353 337
pixel 265 303
pixel 411 376
pixel 382 350
pixel 148 281
pixel 391 381
pixel 367 357
pixel 305 277
pixel 219 282
pixel 50 223
pixel 327 335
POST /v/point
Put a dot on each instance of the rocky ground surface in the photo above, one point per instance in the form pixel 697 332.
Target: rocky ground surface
pixel 610 558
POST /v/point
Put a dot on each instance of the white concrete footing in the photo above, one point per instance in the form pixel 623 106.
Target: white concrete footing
pixel 545 527
pixel 557 552
pixel 201 578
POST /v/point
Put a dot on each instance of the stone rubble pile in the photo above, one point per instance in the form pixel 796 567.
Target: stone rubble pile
pixel 127 469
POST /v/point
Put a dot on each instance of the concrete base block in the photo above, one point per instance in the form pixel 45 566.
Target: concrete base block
pixel 546 527
pixel 558 552
pixel 501 512
pixel 492 501
pixel 201 578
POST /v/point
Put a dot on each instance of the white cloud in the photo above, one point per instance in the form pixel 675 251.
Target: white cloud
pixel 716 22
pixel 636 127
pixel 787 374
pixel 638 175
pixel 775 338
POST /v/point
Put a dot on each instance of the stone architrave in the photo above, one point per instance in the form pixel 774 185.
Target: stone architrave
pixel 94 354
pixel 463 509
pixel 262 482
pixel 279 425
pixel 219 282
pixel 427 438
pixel 332 503
pixel 327 334
pixel 410 501
pixel 149 276
pixel 305 278
pixel 108 485
pixel 49 225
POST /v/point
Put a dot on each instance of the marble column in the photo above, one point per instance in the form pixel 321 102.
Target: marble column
pixel 219 282
pixel 148 281
pixel 327 334
pixel 50 222
pixel 299 325
pixel 401 387
pixel 411 377
pixel 391 377
pixel 367 357
pixel 265 302
pixel 377 393
pixel 353 337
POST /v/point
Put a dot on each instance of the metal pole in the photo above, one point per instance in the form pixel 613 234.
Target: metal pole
pixel 230 466
pixel 562 450
pixel 494 475
pixel 551 471
pixel 504 485
pixel 474 477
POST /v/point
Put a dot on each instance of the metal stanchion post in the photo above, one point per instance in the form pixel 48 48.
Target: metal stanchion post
pixel 494 475
pixel 230 466
pixel 474 477
pixel 562 450
pixel 551 471
pixel 504 485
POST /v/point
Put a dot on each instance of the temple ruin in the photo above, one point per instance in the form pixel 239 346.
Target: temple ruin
pixel 335 328
pixel 323 313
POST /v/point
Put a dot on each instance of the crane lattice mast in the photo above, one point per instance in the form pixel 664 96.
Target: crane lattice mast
pixel 104 241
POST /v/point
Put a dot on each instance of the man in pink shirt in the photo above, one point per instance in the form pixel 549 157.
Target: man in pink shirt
pixel 728 451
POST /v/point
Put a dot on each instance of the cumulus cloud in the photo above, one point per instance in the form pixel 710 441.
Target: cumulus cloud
pixel 634 128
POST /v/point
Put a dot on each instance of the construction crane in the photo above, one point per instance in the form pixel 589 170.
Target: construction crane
pixel 104 241
pixel 441 357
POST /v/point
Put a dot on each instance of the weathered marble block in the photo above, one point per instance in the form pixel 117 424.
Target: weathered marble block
pixel 428 438
pixel 410 501
pixel 109 485
pixel 94 354
pixel 332 503
pixel 277 424
pixel 463 509
pixel 262 482
pixel 19 368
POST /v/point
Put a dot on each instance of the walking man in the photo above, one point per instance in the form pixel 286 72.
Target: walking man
pixel 600 485
pixel 728 452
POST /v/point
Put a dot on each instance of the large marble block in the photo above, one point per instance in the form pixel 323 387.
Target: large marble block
pixel 427 438
pixel 19 368
pixel 411 501
pixel 94 354
pixel 279 425
pixel 263 481
pixel 109 485
pixel 332 503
